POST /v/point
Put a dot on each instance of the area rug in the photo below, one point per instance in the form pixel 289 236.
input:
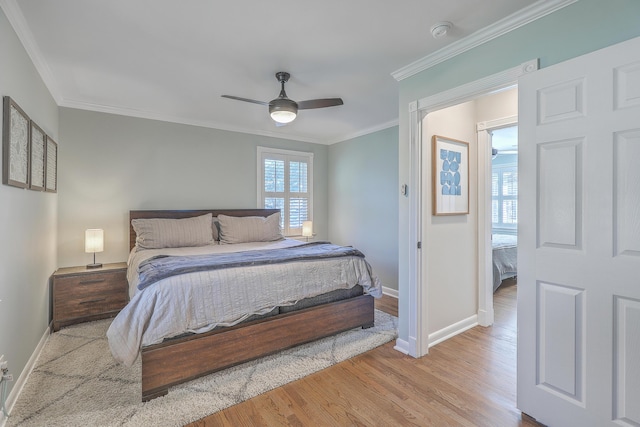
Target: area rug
pixel 76 381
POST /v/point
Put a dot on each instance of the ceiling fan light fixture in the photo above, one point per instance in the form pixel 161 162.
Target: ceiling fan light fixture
pixel 283 112
pixel 283 116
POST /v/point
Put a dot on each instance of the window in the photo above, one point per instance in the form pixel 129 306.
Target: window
pixel 285 183
pixel 504 196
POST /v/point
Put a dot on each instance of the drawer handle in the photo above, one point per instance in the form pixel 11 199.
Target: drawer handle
pixel 90 282
pixel 93 300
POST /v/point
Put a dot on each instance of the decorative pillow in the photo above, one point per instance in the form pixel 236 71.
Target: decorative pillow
pixel 157 233
pixel 235 229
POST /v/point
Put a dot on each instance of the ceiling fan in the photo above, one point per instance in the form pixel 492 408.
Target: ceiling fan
pixel 284 110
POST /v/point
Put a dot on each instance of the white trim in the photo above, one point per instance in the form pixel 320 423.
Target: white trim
pixel 491 84
pixel 499 28
pixel 402 346
pixel 285 154
pixel 393 293
pixel 418 307
pixel 418 289
pixel 452 330
pixel 24 376
pixel 485 250
pixel 497 123
pixel 364 132
pixel 142 114
pixel 16 19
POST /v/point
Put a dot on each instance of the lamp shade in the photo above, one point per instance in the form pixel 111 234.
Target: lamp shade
pixel 307 229
pixel 94 240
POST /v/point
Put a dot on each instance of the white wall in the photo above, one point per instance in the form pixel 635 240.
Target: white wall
pixel 27 218
pixel 450 255
pixel 363 199
pixel 111 164
pixel 450 242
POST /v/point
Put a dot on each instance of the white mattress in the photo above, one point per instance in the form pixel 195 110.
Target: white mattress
pixel 198 302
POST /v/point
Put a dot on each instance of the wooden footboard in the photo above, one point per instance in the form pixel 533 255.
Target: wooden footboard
pixel 177 361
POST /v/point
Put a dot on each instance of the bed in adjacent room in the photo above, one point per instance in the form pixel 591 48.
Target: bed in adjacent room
pixel 505 258
pixel 214 288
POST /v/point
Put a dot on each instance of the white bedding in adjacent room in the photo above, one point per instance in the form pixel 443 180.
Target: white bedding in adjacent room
pixel 199 301
pixel 505 258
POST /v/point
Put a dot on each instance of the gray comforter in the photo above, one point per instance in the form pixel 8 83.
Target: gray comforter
pixel 163 266
pixel 197 301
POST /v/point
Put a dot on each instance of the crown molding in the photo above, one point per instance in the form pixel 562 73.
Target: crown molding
pixel 19 24
pixel 141 114
pixel 499 28
pixel 364 132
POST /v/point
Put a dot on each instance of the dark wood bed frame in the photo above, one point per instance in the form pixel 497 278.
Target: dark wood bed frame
pixel 183 359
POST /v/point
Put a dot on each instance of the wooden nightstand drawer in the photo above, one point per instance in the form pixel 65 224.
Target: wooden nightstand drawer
pixel 80 295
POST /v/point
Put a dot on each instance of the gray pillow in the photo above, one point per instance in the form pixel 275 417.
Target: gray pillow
pixel 157 233
pixel 235 229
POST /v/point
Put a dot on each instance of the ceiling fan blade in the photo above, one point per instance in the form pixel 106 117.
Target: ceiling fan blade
pixel 237 98
pixel 319 103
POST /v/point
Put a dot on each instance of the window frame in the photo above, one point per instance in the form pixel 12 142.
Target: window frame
pixel 500 198
pixel 288 156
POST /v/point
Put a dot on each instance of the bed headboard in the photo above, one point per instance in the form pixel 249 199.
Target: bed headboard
pixel 191 213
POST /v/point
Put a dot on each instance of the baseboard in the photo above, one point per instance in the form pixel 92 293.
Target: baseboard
pixel 402 346
pixel 452 330
pixel 390 292
pixel 24 375
pixel 485 317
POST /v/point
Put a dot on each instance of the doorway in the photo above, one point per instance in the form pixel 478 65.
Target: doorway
pixel 424 328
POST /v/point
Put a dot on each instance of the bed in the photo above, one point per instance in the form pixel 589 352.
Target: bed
pixel 505 258
pixel 182 328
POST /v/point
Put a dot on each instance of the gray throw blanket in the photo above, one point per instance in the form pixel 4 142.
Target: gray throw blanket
pixel 163 266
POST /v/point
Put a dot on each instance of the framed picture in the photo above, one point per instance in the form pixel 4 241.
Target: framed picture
pixel 450 176
pixel 51 180
pixel 15 145
pixel 37 148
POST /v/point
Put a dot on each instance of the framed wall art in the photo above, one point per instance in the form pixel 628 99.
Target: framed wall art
pixel 51 180
pixel 37 149
pixel 450 178
pixel 15 145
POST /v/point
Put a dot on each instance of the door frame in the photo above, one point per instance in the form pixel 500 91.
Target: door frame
pixel 417 344
pixel 485 249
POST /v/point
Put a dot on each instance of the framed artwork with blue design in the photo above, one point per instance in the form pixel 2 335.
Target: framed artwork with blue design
pixel 450 176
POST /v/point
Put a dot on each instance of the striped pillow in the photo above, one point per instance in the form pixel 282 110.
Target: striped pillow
pixel 235 229
pixel 157 233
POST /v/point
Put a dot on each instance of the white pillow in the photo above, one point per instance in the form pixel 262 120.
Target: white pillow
pixel 157 233
pixel 236 229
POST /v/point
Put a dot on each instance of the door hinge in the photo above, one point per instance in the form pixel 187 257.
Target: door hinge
pixel 419 245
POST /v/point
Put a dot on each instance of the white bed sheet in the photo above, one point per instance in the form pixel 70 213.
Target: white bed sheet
pixel 198 302
pixel 505 258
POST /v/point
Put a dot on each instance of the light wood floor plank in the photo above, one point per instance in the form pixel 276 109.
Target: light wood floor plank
pixel 468 380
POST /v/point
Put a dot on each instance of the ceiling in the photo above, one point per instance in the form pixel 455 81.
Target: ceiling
pixel 172 60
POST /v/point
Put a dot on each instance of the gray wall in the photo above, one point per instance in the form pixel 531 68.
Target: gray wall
pixel 577 29
pixel 111 164
pixel 27 219
pixel 363 199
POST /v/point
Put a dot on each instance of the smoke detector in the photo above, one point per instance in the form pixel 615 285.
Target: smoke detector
pixel 440 29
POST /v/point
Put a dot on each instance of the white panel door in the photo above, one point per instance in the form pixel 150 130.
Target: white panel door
pixel 579 240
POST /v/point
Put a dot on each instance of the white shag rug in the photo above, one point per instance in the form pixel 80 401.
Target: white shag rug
pixel 76 381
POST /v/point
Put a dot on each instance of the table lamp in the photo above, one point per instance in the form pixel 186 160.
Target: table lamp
pixel 94 242
pixel 307 229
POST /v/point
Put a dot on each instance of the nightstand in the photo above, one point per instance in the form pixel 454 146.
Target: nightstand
pixel 80 294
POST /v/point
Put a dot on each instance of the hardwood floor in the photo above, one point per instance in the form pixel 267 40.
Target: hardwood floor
pixel 468 380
